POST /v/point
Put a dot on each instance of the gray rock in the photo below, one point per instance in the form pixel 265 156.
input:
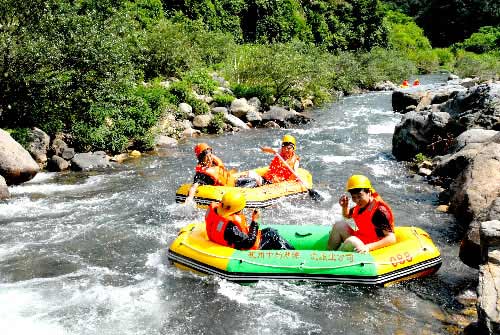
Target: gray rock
pixel 202 121
pixel 57 164
pixel 38 145
pixel 90 161
pixel 235 122
pixel 68 153
pixel 162 141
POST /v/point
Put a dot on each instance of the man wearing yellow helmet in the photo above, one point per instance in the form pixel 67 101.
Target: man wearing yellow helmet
pixel 278 171
pixel 226 225
pixel 373 218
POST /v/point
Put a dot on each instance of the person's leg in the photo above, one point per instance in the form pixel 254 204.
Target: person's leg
pixel 256 176
pixel 272 240
pixel 339 233
pixel 351 243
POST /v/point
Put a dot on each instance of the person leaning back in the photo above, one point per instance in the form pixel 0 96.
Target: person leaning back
pixel 373 218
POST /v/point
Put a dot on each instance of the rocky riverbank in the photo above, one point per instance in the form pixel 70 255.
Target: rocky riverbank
pixel 18 165
pixel 457 125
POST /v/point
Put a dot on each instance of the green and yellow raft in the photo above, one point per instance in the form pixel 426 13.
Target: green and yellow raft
pixel 256 197
pixel 414 255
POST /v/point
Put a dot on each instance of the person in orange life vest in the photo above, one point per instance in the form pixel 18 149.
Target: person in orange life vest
pixel 226 225
pixel 209 171
pixel 405 83
pixel 277 171
pixel 416 82
pixel 373 217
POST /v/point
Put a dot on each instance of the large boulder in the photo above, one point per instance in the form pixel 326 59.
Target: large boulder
pixel 16 164
pixel 422 132
pixel 478 107
pixel 475 170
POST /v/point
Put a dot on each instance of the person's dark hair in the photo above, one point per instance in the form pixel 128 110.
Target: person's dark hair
pixel 358 190
pixel 202 156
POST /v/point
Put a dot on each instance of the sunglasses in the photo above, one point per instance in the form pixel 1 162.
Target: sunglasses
pixel 288 144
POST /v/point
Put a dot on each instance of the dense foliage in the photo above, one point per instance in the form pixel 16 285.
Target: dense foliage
pixel 450 21
pixel 106 71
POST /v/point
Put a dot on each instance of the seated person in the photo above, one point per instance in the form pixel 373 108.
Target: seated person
pixel 278 171
pixel 209 171
pixel 373 217
pixel 226 225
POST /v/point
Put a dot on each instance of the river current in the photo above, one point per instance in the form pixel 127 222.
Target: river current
pixel 85 253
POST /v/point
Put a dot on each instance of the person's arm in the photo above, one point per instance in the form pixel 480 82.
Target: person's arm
pixel 239 240
pixel 383 229
pixel 268 150
pixel 199 179
pixel 191 193
pixel 344 203
pixel 389 239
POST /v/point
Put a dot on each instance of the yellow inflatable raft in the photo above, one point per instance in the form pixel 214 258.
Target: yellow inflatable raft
pixel 256 197
pixel 414 255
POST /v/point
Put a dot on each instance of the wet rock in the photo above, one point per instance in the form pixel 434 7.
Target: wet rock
pixel 235 122
pixel 162 141
pixel 57 164
pixel 89 161
pixel 68 153
pixel 478 107
pixel 16 164
pixel 283 116
pixel 4 190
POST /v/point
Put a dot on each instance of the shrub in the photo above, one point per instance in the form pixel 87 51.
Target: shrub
pixel 21 135
pixel 486 65
pixel 485 40
pixel 217 124
pixel 200 81
pixel 223 99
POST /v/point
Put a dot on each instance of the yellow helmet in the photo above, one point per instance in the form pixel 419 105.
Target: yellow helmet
pixel 289 139
pixel 233 201
pixel 358 181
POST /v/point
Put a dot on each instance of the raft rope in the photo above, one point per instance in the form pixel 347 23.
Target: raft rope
pixel 301 266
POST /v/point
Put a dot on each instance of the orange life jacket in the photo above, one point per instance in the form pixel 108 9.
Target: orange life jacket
pixel 278 172
pixel 216 225
pixel 366 230
pixel 217 171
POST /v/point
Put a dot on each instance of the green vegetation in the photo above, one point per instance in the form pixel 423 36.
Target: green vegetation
pixel 105 72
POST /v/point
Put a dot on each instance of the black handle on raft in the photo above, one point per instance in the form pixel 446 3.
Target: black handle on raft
pixel 302 235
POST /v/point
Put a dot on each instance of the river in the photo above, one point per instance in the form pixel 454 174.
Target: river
pixel 85 253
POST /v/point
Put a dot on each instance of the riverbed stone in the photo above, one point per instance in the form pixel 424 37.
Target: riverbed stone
pixel 90 160
pixel 57 164
pixel 16 164
pixel 235 122
pixel 202 121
